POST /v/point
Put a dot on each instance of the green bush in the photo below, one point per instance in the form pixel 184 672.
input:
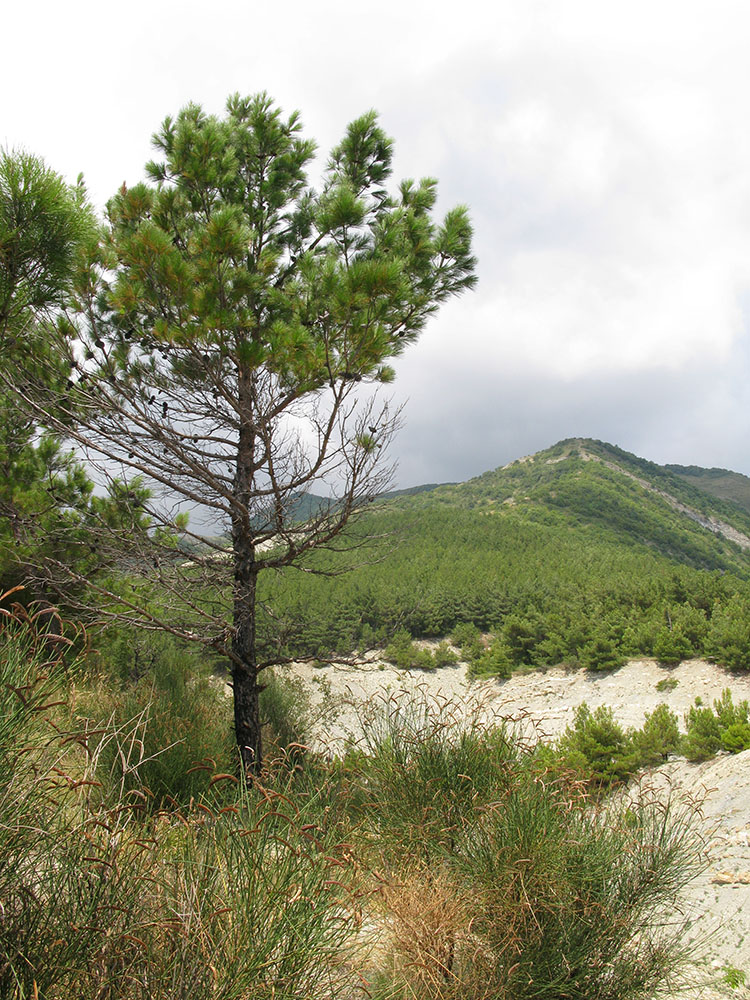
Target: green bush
pixel 494 661
pixel 703 738
pixel 658 738
pixel 485 659
pixel 467 637
pixel 444 655
pixel 597 747
pixel 736 737
pixel 734 723
pixel 600 653
pixel 519 887
pixel 427 766
pixel 568 901
pixel 667 684
pixel 727 712
pixel 169 730
pixel 502 880
pixel 728 640
pixel 726 727
pixel 522 635
pixel 402 652
pixel 672 646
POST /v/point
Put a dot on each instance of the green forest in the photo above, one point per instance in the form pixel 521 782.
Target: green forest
pixel 562 559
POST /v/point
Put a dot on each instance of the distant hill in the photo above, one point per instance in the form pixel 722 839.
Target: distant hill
pixel 581 553
pixel 721 483
pixel 308 505
pixel 593 483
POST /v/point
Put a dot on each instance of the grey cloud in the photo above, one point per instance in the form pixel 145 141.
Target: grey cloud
pixel 456 429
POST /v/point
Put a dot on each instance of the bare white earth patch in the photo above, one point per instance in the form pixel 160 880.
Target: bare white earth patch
pixel 544 703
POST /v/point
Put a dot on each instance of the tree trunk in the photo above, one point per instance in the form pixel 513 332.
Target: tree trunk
pixel 245 670
pixel 245 667
pixel 247 719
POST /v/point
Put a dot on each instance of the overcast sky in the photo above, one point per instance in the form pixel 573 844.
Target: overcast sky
pixel 602 147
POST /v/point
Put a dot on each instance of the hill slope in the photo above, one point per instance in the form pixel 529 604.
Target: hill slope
pixel 637 501
pixel 721 483
pixel 582 553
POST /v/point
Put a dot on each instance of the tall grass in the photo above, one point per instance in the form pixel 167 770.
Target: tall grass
pixel 427 765
pixel 504 881
pixel 101 898
pixel 442 843
pixel 164 724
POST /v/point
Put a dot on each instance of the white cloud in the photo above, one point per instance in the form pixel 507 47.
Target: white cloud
pixel 604 150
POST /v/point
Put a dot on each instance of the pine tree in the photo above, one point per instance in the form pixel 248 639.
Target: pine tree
pixel 46 226
pixel 233 327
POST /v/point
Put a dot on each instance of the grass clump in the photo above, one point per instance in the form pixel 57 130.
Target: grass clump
pixel 734 978
pixel 164 728
pixel 238 896
pixel 503 879
pixel 667 684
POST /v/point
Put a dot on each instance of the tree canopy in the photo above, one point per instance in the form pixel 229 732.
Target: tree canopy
pixel 224 346
pixel 47 230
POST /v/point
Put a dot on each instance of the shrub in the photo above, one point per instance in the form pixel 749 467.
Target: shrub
pixel 726 727
pixel 672 646
pixel 659 737
pixel 494 661
pixel 728 640
pixel 572 901
pixel 444 655
pixel 667 684
pixel 734 723
pixel 427 765
pixel 467 637
pixel 169 730
pixel 727 713
pixel 703 738
pixel 502 880
pixel 404 654
pixel 736 737
pixel 522 636
pixel 498 878
pixel 597 747
pixel 600 653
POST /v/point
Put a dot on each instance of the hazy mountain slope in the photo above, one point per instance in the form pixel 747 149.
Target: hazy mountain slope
pixel 720 483
pixel 308 505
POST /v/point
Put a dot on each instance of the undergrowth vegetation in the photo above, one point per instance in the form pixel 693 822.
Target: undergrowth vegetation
pixel 604 753
pixel 242 894
pixel 440 858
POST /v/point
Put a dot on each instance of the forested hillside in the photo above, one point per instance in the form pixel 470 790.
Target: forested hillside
pixel 719 483
pixel 582 553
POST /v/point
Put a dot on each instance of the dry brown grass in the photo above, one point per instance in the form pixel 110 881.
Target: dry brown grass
pixel 427 941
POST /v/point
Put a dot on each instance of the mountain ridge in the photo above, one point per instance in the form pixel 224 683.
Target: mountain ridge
pixel 594 482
